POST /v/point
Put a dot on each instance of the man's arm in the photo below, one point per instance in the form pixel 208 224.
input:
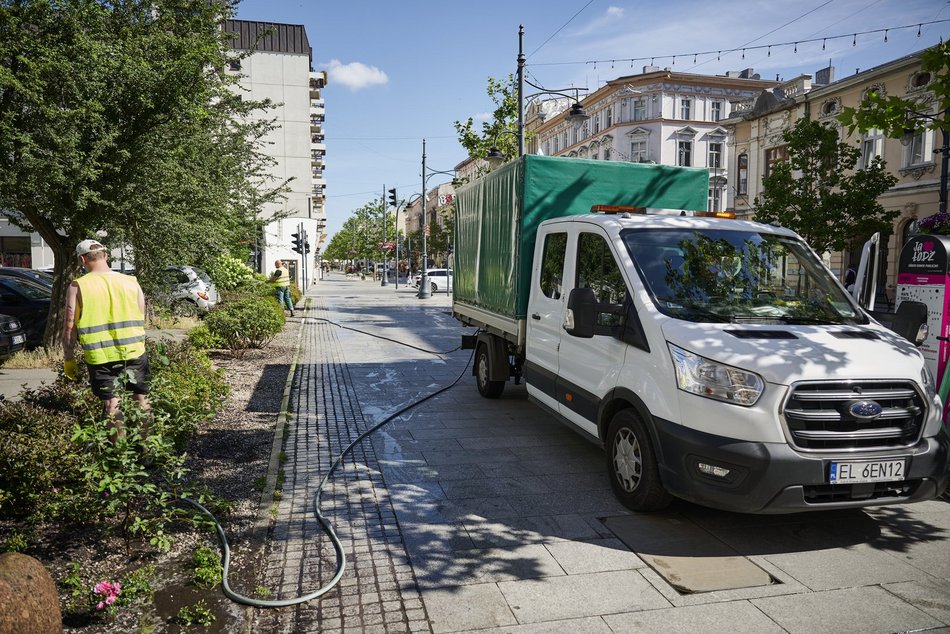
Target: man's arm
pixel 69 327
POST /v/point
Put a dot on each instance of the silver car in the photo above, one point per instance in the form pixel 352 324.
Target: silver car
pixel 439 280
pixel 190 290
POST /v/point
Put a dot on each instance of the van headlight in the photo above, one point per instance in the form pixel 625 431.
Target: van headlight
pixel 701 376
pixel 928 383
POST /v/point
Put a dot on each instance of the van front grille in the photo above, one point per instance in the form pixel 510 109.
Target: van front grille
pixel 854 415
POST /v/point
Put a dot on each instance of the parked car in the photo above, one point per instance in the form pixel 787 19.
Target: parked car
pixel 12 336
pixel 29 303
pixel 41 277
pixel 189 290
pixel 439 279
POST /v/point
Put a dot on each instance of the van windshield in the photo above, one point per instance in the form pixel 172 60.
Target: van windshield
pixel 713 275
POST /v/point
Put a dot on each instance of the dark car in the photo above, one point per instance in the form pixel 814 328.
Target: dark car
pixel 29 303
pixel 43 278
pixel 12 337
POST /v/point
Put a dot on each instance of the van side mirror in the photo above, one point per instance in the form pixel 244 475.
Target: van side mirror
pixel 581 313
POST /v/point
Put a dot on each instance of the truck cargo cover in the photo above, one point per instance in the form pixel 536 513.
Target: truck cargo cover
pixel 496 216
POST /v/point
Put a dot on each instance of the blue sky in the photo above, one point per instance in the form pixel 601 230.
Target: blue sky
pixel 403 71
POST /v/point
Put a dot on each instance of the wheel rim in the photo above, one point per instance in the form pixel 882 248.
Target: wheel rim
pixel 628 460
pixel 482 369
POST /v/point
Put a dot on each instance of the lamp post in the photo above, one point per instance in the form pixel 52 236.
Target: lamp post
pixel 424 291
pixel 908 137
pixel 578 114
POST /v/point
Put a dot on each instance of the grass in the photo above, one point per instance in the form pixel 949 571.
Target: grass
pixel 161 321
pixel 35 359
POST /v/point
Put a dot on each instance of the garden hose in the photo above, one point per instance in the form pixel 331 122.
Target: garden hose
pixel 337 545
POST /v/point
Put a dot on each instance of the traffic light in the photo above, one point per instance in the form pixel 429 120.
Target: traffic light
pixel 392 197
pixel 298 242
pixel 306 243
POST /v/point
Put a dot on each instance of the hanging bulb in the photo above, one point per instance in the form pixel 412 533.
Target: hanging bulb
pixel 651 61
pixel 770 52
pixel 694 58
pixel 611 64
pixel 855 42
pixel 796 48
pixel 743 53
pixel 595 65
pixel 885 34
pixel 674 60
pixel 823 45
pixel 718 53
pixel 918 30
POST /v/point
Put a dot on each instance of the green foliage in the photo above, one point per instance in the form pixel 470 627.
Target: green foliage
pixel 120 117
pixel 15 543
pixel 227 272
pixel 58 462
pixel 207 567
pixel 361 234
pixel 820 195
pixel 502 131
pixel 890 113
pixel 248 322
pixel 81 598
pixel 263 592
pixel 137 586
pixel 202 339
pixel 197 614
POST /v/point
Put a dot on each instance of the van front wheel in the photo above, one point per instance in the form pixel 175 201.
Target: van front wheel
pixel 632 466
pixel 486 387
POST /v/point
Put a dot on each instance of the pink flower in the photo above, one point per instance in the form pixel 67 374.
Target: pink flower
pixel 100 605
pixel 110 599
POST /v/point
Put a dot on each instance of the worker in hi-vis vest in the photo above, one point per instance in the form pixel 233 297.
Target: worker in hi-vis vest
pixel 281 278
pixel 105 312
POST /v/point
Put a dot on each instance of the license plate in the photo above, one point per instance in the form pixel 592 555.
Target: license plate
pixel 19 339
pixel 870 471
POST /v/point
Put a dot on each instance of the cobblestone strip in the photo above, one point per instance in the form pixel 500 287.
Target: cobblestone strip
pixel 378 591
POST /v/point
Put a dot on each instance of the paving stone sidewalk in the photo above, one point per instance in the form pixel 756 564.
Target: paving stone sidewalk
pixel 466 514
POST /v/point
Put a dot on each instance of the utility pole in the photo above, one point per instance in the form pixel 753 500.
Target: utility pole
pixel 424 291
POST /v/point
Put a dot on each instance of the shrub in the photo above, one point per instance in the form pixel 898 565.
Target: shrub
pixel 202 339
pixel 58 460
pixel 227 272
pixel 248 322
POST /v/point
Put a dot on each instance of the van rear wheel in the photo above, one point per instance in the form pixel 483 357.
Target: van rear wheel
pixel 486 387
pixel 632 466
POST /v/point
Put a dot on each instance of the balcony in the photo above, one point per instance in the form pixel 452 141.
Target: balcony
pixel 317 155
pixel 316 120
pixel 318 181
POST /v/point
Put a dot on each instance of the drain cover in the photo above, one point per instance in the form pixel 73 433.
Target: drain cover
pixel 687 557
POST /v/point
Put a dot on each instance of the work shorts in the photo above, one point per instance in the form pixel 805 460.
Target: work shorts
pixel 133 374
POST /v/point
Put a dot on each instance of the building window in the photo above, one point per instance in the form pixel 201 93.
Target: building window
pixel 638 151
pixel 715 155
pixel 595 156
pixel 871 144
pixel 607 154
pixel 917 151
pixel 596 119
pixel 234 64
pixel 684 153
pixel 742 168
pixel 610 116
pixel 557 144
pixel 715 111
pixel 639 110
pixel 586 129
pixel 686 105
pixel 774 155
pixel 714 201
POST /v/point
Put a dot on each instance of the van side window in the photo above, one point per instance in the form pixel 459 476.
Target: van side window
pixel 597 269
pixel 552 264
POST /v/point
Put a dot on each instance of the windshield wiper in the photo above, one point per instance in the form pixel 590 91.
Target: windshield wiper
pixel 798 319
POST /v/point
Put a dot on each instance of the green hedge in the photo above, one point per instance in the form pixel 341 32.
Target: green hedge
pixel 246 322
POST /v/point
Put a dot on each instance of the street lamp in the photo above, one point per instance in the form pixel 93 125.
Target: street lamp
pixel 424 291
pixel 908 137
pixel 577 116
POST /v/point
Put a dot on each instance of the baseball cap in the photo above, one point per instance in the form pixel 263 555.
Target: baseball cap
pixel 88 246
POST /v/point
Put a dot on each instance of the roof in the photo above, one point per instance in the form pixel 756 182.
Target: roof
pixel 269 36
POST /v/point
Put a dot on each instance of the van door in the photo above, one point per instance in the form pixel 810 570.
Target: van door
pixel 588 368
pixel 545 315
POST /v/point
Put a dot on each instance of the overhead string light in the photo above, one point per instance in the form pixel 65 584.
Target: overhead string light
pixel 768 47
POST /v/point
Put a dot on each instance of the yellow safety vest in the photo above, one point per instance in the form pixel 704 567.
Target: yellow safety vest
pixel 111 327
pixel 283 277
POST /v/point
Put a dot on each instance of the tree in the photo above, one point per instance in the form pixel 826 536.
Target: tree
pixel 361 234
pixel 890 113
pixel 502 131
pixel 820 195
pixel 118 120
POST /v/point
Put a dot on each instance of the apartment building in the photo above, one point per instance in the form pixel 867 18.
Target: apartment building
pixel 658 116
pixel 756 143
pixel 278 65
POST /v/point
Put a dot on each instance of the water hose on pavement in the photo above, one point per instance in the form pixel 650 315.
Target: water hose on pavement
pixel 327 526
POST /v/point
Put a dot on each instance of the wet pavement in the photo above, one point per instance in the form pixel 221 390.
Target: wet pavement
pixel 468 514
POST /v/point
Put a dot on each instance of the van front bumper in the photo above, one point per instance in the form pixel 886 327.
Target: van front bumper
pixel 775 478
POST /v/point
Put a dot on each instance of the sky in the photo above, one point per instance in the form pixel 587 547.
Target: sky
pixel 401 72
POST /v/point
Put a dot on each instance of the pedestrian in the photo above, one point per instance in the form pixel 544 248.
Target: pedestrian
pixel 105 313
pixel 281 277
